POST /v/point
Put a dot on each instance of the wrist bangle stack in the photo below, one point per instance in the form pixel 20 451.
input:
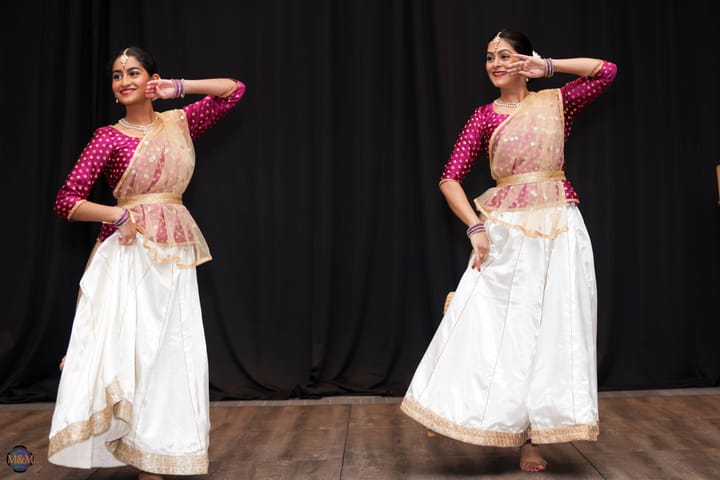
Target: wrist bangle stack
pixel 124 218
pixel 179 88
pixel 478 227
pixel 549 69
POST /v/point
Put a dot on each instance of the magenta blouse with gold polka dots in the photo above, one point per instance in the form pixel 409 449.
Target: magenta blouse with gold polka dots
pixel 475 136
pixel 109 152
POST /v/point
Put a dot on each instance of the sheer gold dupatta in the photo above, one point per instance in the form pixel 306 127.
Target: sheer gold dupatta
pixel 526 161
pixel 152 189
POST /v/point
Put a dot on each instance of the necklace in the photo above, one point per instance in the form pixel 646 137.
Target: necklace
pixel 506 104
pixel 143 128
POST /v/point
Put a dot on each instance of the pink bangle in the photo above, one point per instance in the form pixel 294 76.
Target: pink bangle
pixel 179 88
pixel 124 218
pixel 478 227
pixel 549 69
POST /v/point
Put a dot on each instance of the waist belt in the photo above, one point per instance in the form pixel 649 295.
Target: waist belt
pixel 530 178
pixel 146 198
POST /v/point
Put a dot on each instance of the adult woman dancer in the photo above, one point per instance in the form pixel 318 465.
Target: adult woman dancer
pixel 134 383
pixel 512 363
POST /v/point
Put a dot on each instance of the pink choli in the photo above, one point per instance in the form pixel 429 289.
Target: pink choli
pixel 526 152
pixel 149 175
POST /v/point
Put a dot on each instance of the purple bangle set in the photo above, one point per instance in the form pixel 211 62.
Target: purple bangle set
pixel 549 69
pixel 124 218
pixel 478 227
pixel 179 88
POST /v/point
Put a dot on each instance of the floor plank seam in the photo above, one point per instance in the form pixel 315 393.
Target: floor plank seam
pixel 347 434
pixel 588 460
pixel 92 473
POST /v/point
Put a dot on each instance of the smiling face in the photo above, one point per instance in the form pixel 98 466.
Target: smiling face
pixel 497 59
pixel 128 80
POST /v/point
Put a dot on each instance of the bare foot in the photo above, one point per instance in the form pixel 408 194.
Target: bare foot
pixel 530 459
pixel 62 364
pixel 149 476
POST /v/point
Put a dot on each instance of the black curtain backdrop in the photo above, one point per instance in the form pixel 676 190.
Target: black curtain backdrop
pixel 333 247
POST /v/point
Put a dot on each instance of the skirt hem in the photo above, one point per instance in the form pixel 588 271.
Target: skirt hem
pixel 490 438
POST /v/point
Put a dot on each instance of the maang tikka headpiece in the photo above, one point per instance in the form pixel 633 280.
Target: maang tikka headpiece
pixel 497 41
pixel 124 58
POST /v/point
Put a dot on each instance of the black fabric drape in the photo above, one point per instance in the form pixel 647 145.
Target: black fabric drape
pixel 333 248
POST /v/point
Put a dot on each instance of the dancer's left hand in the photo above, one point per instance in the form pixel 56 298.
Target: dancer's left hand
pixel 527 66
pixel 160 88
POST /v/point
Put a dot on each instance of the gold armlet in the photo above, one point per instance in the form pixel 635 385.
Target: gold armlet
pixel 229 91
pixel 443 180
pixel 597 69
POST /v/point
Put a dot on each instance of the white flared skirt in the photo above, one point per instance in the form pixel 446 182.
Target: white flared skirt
pixel 134 388
pixel 514 357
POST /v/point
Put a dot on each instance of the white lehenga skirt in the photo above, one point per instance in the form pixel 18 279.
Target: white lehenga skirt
pixel 134 388
pixel 514 357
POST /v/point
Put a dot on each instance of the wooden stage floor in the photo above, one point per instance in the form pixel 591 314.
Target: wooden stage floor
pixel 650 434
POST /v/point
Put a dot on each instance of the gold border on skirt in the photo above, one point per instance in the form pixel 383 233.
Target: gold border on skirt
pixel 120 408
pixel 490 438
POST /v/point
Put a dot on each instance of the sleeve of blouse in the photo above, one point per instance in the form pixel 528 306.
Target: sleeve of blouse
pixel 84 174
pixel 466 150
pixel 580 92
pixel 205 113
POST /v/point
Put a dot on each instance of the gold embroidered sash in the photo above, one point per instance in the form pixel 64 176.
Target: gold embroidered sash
pixel 530 178
pixel 527 160
pixel 152 187
pixel 148 198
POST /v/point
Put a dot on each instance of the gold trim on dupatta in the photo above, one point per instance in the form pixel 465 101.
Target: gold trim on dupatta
pixel 143 141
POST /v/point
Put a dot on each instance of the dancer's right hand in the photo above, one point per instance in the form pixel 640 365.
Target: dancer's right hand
pixel 481 247
pixel 128 233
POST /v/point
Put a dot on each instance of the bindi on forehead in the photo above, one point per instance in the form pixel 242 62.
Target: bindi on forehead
pixel 499 45
pixel 126 61
pixel 502 50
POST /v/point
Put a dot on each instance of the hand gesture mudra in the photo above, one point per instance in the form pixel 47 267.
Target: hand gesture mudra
pixel 161 88
pixel 527 66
